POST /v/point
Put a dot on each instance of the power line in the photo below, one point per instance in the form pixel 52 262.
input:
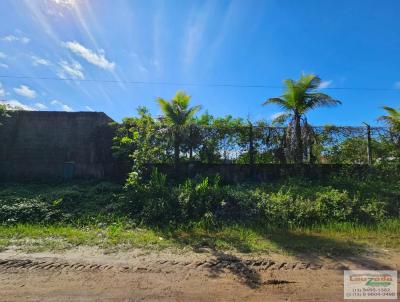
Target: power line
pixel 184 84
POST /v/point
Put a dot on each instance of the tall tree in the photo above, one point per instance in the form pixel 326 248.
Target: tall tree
pixel 177 115
pixel 300 97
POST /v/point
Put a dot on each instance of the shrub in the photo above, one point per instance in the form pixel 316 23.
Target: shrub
pixel 151 201
pixel 198 198
pixel 20 210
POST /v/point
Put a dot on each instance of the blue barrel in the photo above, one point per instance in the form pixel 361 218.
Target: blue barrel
pixel 69 170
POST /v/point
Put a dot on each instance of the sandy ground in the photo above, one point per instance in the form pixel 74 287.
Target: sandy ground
pixel 88 274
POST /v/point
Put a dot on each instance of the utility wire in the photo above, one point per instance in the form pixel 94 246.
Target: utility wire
pixel 184 84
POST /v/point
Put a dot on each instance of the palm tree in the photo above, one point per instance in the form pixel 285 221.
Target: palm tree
pixel 392 119
pixel 178 114
pixel 300 97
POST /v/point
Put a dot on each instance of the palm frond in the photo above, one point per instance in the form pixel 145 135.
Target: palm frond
pixel 315 100
pixel 309 81
pixel 278 101
pixel 177 111
pixel 181 99
pixel 393 117
pixel 392 111
pixel 192 111
pixel 281 119
pixel 168 109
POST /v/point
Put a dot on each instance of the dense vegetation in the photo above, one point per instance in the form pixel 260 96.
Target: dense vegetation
pixel 337 216
pixel 162 201
pixel 150 199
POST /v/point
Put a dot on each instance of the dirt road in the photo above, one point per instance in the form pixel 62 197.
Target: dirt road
pixel 88 275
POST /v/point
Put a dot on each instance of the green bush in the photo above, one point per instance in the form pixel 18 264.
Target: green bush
pixel 196 198
pixel 151 201
pixel 160 201
pixel 27 210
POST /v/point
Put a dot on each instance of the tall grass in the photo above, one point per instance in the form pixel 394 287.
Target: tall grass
pixel 336 238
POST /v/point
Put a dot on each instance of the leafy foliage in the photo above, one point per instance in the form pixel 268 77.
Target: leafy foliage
pixel 392 118
pixel 3 112
pixel 159 201
pixel 27 210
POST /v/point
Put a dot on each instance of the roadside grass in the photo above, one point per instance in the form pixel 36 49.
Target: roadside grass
pixel 337 239
pixel 37 237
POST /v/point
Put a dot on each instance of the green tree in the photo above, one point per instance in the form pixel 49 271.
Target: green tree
pixel 178 115
pixel 300 97
pixel 3 112
pixel 139 140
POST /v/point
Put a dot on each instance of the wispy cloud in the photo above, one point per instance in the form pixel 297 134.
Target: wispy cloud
pixel 61 105
pixel 2 91
pixel 325 84
pixel 3 56
pixel 227 20
pixel 17 105
pixel 25 91
pixel 276 115
pixel 88 108
pixel 40 106
pixel 70 69
pixel 36 61
pixel 14 38
pixel 397 85
pixel 90 56
pixel 195 32
pixel 57 7
pixel 64 3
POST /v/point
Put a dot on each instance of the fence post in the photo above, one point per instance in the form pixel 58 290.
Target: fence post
pixel 251 144
pixel 369 148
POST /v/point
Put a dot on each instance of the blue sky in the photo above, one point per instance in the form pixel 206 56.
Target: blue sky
pixel 56 43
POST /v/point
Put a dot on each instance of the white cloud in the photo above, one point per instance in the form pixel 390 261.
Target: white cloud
pixel 13 38
pixel 88 108
pixel 70 69
pixel 61 105
pixel 3 56
pixel 143 69
pixel 2 91
pixel 276 115
pixel 40 61
pixel 16 105
pixel 25 91
pixel 325 84
pixel 397 85
pixel 89 55
pixel 64 3
pixel 40 106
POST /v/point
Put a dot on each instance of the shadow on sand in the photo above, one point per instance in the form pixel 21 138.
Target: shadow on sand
pixel 306 248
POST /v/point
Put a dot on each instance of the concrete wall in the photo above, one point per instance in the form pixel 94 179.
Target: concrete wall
pixel 236 173
pixel 39 145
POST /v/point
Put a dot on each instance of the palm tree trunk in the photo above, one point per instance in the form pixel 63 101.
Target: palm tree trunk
pixel 299 142
pixel 176 148
pixel 190 143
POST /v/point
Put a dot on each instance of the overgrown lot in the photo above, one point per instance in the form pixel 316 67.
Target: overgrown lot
pixel 338 216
